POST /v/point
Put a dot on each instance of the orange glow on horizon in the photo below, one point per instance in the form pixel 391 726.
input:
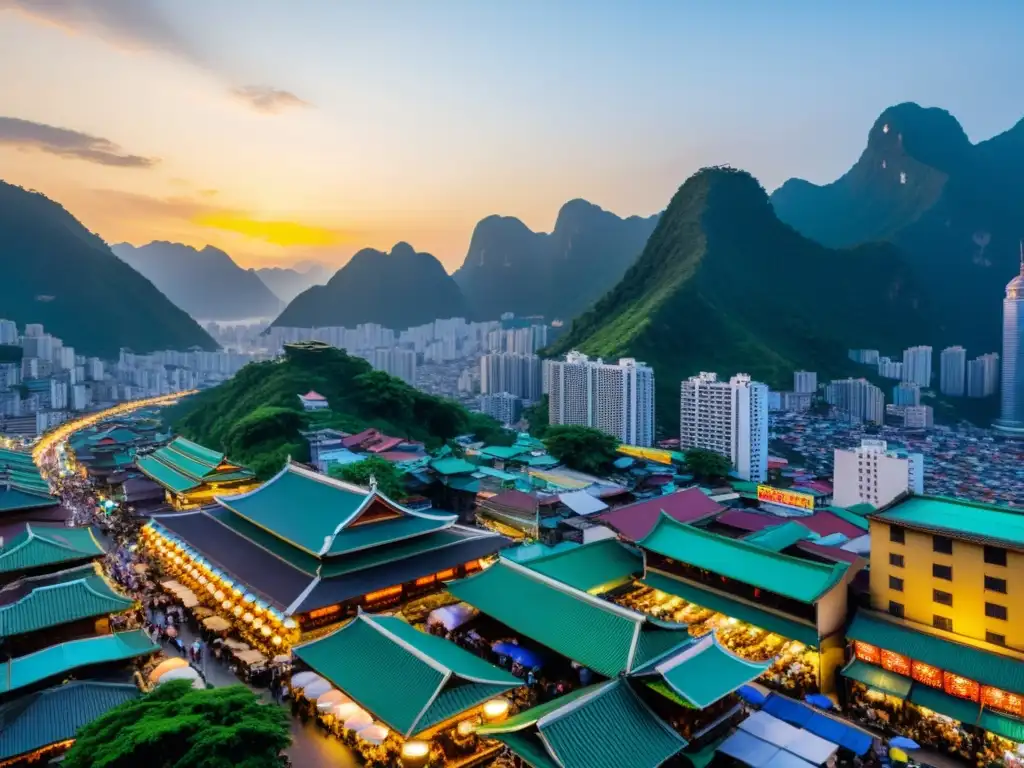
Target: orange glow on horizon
pixel 284 233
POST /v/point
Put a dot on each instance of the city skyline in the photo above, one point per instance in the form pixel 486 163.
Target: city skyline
pixel 284 136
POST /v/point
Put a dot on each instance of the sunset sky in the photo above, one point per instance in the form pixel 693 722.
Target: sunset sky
pixel 286 131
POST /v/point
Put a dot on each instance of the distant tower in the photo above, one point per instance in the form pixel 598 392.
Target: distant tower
pixel 1011 420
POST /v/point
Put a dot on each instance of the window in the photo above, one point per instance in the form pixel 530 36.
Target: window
pixel 994 611
pixel 895 560
pixel 896 583
pixel 995 555
pixel 896 534
pixel 942 622
pixel 942 544
pixel 943 598
pixel 896 609
pixel 992 584
pixel 942 571
pixel 992 637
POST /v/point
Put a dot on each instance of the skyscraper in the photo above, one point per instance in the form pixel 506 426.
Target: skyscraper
pixel 906 393
pixel 518 374
pixel 983 375
pixel 615 398
pixel 952 371
pixel 805 382
pixel 729 418
pixel 917 365
pixel 858 398
pixel 1011 417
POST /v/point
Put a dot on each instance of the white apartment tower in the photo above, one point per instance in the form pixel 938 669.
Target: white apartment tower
pixel 805 382
pixel 917 365
pixel 874 474
pixel 952 371
pixel 615 398
pixel 729 418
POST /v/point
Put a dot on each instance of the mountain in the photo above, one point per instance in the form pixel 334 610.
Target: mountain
pixel 287 283
pixel 207 284
pixel 723 285
pixel 510 268
pixel 956 210
pixel 57 273
pixel 398 290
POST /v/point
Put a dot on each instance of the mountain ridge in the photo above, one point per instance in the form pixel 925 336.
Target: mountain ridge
pixel 288 282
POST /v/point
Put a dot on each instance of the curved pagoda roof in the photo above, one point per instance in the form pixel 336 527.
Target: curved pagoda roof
pixel 40 546
pixel 408 679
pixel 182 466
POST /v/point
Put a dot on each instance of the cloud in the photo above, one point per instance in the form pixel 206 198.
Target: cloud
pixel 265 99
pixel 284 233
pixel 64 142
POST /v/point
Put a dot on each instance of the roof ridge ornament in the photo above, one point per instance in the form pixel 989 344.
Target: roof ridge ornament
pixel 373 477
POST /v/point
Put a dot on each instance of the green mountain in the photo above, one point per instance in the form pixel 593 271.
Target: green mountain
pixel 206 283
pixel 723 285
pixel 57 273
pixel 954 208
pixel 256 418
pixel 510 268
pixel 399 290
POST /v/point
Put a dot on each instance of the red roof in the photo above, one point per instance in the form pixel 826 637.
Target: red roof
pixel 518 500
pixel 353 441
pixel 384 444
pixel 311 395
pixel 822 523
pixel 634 521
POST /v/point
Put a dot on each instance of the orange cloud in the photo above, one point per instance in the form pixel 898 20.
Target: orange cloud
pixel 284 233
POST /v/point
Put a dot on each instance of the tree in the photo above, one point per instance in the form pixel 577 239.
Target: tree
pixel 707 465
pixel 389 479
pixel 583 448
pixel 176 726
pixel 537 418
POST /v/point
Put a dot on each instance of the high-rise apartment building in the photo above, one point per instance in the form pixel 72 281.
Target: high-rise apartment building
pixel 875 474
pixel 615 398
pixel 858 399
pixel 8 332
pixel 399 362
pixel 983 375
pixel 505 407
pixel 918 417
pixel 890 369
pixel 917 365
pixel 864 356
pixel 906 393
pixel 517 374
pixel 953 371
pixel 805 382
pixel 729 418
pixel 1011 412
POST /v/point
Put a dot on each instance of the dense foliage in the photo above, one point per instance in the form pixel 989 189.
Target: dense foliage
pixel 387 476
pixel 953 208
pixel 175 726
pixel 706 465
pixel 724 286
pixel 537 416
pixel 510 268
pixel 59 274
pixel 257 419
pixel 583 448
pixel 398 290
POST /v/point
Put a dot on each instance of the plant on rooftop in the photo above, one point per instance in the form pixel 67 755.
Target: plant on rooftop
pixel 583 448
pixel 387 475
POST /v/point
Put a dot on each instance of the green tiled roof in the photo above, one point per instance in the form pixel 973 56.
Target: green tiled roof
pixel 38 547
pixel 730 606
pixel 705 672
pixel 503 451
pixel 593 632
pixel 77 594
pixel 467 484
pixel 408 679
pixel 987 667
pixel 15 498
pixel 163 474
pixel 540 461
pixel 196 451
pixel 452 466
pixel 776 538
pixel 852 517
pixel 744 486
pixel 603 726
pixel 932 698
pixel 862 509
pixel 605 563
pixel 956 517
pixel 877 678
pixel 792 577
pixel 49 717
pixel 17 460
pixel 1007 726
pixel 528 746
pixel 312 511
pixel 61 659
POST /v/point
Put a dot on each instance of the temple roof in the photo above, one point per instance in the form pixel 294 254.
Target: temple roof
pixel 182 465
pixel 39 546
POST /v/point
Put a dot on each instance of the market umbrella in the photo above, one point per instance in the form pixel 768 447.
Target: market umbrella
pixel 330 699
pixel 819 700
pixel 189 599
pixel 345 710
pixel 902 742
pixel 751 695
pixel 374 734
pixel 898 756
pixel 316 689
pixel 166 666
pixel 358 721
pixel 181 673
pixel 302 679
pixel 216 624
pixel 517 653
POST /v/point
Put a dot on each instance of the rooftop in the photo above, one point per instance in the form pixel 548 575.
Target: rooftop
pixel 39 546
pixel 973 521
pixel 182 465
pixel 634 521
pixel 599 565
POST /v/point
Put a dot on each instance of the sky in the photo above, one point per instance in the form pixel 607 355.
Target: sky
pixel 288 132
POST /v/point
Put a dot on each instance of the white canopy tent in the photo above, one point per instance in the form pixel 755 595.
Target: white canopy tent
pixel 764 741
pixel 582 503
pixel 452 616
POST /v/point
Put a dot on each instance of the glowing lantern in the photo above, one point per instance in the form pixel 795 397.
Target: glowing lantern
pixel 237 610
pixel 226 605
pixel 265 631
pixel 415 754
pixel 465 727
pixel 247 617
pixel 290 624
pixel 211 589
pixel 495 709
pixel 257 623
pixel 178 560
pixel 276 639
pixel 219 594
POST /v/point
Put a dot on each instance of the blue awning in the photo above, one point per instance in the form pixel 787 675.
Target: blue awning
pixel 795 713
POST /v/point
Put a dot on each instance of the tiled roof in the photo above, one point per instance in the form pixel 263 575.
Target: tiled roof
pixel 452 466
pixel 792 577
pixel 196 451
pixel 602 726
pixel 408 679
pixel 61 659
pixel 51 601
pixel 823 523
pixel 984 523
pixel 313 512
pixel 517 500
pixel 584 628
pixel 40 546
pixel 165 475
pixel 776 538
pixel 14 498
pixel 634 521
pixel 924 644
pixel 182 465
pixel 604 563
pixel 503 451
pixel 48 717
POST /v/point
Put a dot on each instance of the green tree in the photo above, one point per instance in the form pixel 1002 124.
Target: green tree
pixel 389 479
pixel 488 430
pixel 176 726
pixel 537 417
pixel 707 465
pixel 583 448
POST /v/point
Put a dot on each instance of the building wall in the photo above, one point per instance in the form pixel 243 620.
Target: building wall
pixel 967 586
pixel 870 474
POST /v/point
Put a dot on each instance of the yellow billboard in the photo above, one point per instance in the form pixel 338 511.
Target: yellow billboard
pixel 772 495
pixel 650 454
